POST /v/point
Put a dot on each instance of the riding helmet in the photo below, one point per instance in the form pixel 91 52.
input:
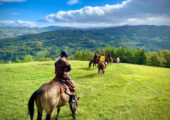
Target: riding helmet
pixel 64 54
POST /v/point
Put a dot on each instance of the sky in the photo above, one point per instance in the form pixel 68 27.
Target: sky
pixel 83 13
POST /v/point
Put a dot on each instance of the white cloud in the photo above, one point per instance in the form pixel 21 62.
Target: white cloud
pixel 132 12
pixel 72 2
pixel 18 23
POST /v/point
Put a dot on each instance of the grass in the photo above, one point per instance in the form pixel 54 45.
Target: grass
pixel 125 92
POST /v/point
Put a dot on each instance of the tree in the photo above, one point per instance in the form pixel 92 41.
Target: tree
pixel 154 59
pixel 28 58
pixel 17 60
pixel 142 57
pixel 98 51
pixel 166 56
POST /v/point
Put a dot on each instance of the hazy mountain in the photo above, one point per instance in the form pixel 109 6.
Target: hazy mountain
pixel 152 38
pixel 8 32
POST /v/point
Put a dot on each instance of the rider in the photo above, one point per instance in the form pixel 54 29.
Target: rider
pixel 102 59
pixel 62 67
pixel 95 56
pixel 108 56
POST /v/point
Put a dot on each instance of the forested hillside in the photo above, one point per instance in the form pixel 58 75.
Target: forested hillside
pixel 48 44
pixel 9 32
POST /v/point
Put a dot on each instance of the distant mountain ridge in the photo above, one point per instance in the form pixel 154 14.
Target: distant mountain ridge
pixel 9 32
pixel 149 37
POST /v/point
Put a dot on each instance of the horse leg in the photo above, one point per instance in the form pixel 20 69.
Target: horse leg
pixel 39 109
pixel 49 116
pixel 39 115
pixel 98 70
pixel 58 110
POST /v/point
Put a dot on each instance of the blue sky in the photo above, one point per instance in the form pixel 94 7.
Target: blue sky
pixel 36 9
pixel 84 13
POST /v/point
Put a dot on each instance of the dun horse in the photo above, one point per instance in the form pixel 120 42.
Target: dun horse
pixel 101 67
pixel 47 98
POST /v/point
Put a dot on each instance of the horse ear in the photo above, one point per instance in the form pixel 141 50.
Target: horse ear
pixel 78 98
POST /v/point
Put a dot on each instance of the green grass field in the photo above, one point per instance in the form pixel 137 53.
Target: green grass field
pixel 125 92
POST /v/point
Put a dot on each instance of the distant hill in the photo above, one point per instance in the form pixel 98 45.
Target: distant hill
pixel 51 28
pixel 151 38
pixel 9 32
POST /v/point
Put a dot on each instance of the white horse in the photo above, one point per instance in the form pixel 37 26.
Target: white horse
pixel 118 60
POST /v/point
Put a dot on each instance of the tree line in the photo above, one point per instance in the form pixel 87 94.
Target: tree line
pixel 127 55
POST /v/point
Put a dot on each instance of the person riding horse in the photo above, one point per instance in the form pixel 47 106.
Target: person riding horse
pixel 108 56
pixel 62 67
pixel 95 57
pixel 102 59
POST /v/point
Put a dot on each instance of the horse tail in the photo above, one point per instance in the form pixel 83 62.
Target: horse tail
pixel 31 103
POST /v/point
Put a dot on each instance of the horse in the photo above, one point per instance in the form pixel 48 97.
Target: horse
pixel 118 60
pixel 109 60
pixel 94 61
pixel 91 61
pixel 47 98
pixel 101 67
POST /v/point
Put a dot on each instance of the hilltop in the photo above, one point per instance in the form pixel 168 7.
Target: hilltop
pixel 125 92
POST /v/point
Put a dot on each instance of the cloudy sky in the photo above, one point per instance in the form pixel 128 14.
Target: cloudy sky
pixel 84 13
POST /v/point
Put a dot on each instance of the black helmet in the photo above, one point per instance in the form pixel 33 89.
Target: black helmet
pixel 64 54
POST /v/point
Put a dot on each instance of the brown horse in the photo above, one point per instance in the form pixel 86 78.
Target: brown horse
pixel 91 61
pixel 109 60
pixel 94 61
pixel 101 67
pixel 47 98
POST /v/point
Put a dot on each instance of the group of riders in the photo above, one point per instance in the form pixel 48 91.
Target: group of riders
pixel 67 93
pixel 62 67
pixel 101 58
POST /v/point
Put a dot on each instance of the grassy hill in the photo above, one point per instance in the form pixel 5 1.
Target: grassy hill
pixel 125 92
pixel 46 44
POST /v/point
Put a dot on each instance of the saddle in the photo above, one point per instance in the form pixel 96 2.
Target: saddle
pixel 58 84
pixel 66 86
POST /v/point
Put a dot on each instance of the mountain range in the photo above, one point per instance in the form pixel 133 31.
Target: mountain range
pixel 9 32
pixel 48 43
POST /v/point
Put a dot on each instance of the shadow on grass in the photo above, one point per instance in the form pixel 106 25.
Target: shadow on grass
pixel 45 64
pixel 87 76
pixel 87 69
